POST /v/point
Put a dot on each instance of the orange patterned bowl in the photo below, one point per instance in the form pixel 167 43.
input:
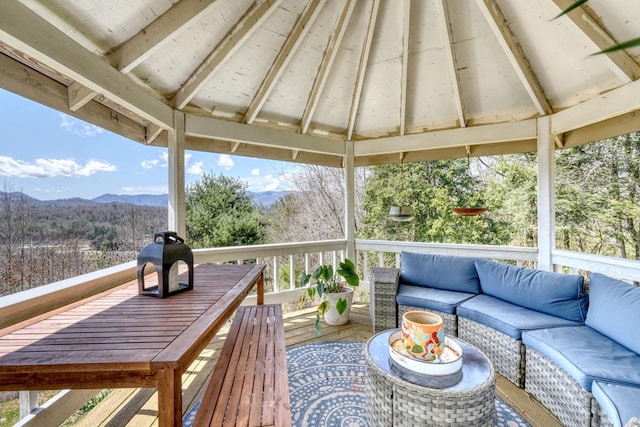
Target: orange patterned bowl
pixel 423 335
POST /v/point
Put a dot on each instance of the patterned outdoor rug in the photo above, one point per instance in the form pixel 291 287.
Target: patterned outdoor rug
pixel 327 387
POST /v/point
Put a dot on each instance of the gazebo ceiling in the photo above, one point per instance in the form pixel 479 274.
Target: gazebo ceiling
pixel 295 79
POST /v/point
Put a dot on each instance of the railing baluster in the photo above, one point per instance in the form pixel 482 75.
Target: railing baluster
pixel 276 279
pixel 292 273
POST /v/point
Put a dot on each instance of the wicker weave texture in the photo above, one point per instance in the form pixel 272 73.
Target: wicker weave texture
pixel 450 320
pixel 379 398
pixel 599 417
pixel 392 401
pixel 506 353
pixel 558 391
pixel 384 287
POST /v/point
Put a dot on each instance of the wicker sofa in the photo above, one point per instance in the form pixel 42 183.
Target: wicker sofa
pixel 507 312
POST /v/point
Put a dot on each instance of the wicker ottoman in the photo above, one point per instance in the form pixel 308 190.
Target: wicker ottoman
pixel 392 401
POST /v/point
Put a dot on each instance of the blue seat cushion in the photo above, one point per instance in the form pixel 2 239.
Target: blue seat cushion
pixel 510 319
pixel 451 273
pixel 619 402
pixel 614 310
pixel 586 355
pixel 430 298
pixel 556 294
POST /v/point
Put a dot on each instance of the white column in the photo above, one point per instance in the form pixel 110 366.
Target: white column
pixel 546 194
pixel 176 175
pixel 349 202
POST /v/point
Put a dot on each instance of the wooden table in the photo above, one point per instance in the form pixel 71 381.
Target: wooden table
pixel 121 339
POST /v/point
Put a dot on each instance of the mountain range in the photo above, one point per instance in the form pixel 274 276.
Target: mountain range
pixel 265 198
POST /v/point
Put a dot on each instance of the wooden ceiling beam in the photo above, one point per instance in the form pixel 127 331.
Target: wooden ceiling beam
pixel 326 65
pixel 239 34
pixel 406 27
pixel 496 20
pixel 286 54
pixel 362 68
pixel 54 49
pixel 155 35
pixel 24 81
pixel 212 128
pixel 623 65
pixel 260 152
pixel 524 146
pixel 459 137
pixel 451 61
pixel 79 95
pixel 611 104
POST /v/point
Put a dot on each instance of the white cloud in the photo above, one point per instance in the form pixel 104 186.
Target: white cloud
pixel 149 164
pixel 78 127
pixel 255 172
pixel 48 168
pixel 225 161
pixel 195 169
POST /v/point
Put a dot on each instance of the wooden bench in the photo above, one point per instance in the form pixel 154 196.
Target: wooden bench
pixel 249 385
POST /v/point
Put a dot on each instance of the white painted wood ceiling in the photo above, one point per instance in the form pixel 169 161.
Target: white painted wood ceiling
pixel 354 69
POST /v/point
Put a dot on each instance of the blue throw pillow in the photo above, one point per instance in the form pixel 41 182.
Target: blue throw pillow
pixel 547 292
pixel 451 273
pixel 614 310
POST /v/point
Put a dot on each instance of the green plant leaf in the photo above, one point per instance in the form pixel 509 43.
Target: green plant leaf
pixel 311 292
pixel 620 46
pixel 323 307
pixel 341 305
pixel 304 280
pixel 574 5
pixel 317 327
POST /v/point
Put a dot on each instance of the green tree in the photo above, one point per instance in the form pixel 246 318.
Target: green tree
pixel 433 189
pixel 219 212
pixel 598 193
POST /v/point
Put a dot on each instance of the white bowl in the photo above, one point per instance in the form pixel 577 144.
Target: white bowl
pixel 451 363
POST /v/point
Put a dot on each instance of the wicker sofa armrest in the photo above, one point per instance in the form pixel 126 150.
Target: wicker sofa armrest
pixel 384 286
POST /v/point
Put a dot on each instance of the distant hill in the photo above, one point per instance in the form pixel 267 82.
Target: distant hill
pixel 265 198
pixel 160 200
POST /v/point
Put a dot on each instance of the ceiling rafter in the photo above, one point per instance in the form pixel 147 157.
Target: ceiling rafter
pixel 406 24
pixel 326 65
pixel 246 26
pixel 155 35
pixel 451 61
pixel 286 54
pixel 362 68
pixel 496 20
pixel 56 50
pixel 619 61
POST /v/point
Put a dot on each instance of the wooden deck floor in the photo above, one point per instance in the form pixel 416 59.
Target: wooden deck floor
pixel 138 407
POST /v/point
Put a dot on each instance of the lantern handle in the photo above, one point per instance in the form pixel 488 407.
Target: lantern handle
pixel 167 237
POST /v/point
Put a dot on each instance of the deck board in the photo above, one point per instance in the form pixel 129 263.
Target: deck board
pixel 137 408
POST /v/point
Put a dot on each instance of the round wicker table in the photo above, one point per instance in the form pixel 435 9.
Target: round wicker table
pixel 392 401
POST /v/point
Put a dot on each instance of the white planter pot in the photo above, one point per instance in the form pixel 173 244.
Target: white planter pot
pixel 331 317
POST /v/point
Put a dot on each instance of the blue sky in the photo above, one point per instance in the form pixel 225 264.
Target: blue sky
pixel 50 155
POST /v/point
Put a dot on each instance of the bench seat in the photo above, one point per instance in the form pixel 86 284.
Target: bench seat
pixel 249 385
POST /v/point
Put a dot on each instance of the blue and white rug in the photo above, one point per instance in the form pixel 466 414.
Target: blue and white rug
pixel 327 388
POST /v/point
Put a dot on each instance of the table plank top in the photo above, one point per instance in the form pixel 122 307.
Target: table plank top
pixel 120 330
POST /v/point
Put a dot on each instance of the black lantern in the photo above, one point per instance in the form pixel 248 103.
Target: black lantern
pixel 164 253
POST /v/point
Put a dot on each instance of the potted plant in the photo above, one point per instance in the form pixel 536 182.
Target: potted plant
pixel 332 288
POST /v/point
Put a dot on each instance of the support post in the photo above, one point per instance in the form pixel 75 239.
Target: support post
pixel 176 175
pixel 349 202
pixel 546 194
pixel 28 402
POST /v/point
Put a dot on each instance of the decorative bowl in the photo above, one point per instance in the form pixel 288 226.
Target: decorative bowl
pixel 423 335
pixel 441 375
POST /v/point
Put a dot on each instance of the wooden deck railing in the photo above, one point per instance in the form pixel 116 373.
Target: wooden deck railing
pixel 285 262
